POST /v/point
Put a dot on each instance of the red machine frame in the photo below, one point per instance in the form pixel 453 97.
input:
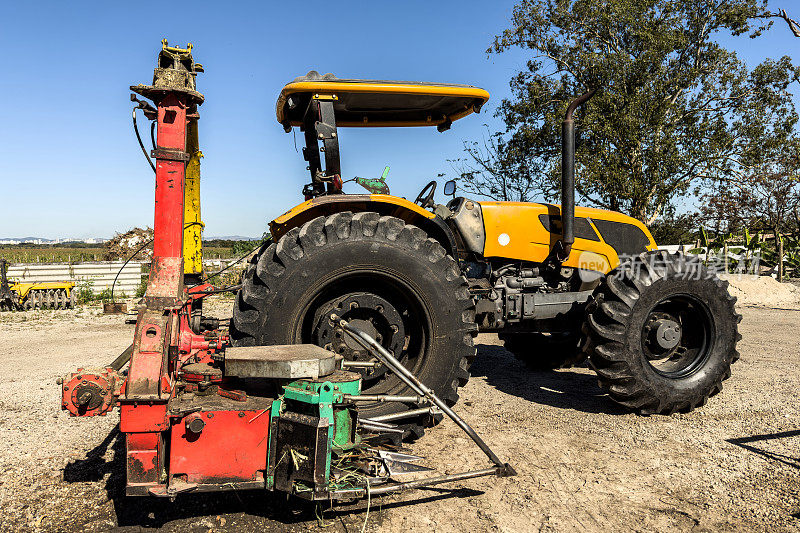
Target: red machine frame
pixel 186 427
pixel 164 340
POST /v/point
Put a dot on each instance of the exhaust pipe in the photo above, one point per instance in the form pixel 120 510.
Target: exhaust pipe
pixel 568 177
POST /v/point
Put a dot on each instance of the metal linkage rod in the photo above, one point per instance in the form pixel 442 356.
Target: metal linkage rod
pixel 385 398
pixel 359 364
pixel 404 414
pixel 427 482
pixel 381 429
pixel 122 359
pixel 420 388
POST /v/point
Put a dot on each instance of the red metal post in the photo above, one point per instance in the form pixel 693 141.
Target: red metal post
pixel 150 384
pixel 163 333
pixel 166 274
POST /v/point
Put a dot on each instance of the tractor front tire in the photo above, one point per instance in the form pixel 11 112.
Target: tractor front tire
pixel 662 333
pixel 385 277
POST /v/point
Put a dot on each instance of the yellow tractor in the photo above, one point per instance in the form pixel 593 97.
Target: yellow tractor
pixel 31 295
pixel 557 283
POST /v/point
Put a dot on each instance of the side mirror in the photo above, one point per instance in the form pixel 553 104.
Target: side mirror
pixel 450 187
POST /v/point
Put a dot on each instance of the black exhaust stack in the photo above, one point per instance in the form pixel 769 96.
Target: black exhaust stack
pixel 568 177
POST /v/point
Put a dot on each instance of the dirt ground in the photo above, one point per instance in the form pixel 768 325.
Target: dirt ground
pixel 583 463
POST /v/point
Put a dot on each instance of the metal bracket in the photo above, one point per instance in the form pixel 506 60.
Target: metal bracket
pixel 170 155
pixel 319 124
pixel 325 131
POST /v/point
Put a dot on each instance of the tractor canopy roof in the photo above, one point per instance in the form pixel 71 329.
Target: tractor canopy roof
pixel 379 103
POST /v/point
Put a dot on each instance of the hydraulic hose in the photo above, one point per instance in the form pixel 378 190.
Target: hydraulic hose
pixel 139 138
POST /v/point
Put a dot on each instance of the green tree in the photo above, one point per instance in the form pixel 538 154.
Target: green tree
pixel 761 195
pixel 493 168
pixel 760 187
pixel 672 107
pixel 674 228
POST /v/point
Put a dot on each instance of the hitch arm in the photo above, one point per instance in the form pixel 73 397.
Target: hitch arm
pixel 370 344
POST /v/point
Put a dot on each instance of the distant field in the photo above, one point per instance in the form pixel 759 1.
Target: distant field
pixel 50 254
pixel 57 254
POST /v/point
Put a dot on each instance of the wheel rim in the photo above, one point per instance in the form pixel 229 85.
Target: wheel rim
pixel 383 306
pixel 678 335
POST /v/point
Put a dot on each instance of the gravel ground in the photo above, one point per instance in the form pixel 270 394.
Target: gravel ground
pixel 583 462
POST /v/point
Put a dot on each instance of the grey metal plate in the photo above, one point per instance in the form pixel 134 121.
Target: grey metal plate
pixel 290 361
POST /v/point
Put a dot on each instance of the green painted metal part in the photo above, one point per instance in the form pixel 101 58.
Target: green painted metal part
pixel 375 186
pixel 325 399
pixel 274 413
pixel 307 391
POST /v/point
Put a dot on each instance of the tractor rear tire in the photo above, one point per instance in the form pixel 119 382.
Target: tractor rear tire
pixel 386 277
pixel 663 331
pixel 545 351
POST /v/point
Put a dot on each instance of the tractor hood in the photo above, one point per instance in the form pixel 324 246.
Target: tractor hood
pixel 529 231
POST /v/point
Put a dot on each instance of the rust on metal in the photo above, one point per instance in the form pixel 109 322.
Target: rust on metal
pixel 115 308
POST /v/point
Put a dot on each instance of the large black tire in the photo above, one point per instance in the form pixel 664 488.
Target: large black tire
pixel 632 326
pixel 546 351
pixel 378 271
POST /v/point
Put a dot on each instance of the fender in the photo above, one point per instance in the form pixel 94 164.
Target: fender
pixel 385 204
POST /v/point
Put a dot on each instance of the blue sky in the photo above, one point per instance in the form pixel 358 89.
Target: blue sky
pixel 70 165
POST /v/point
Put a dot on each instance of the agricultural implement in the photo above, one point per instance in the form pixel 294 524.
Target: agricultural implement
pixel 31 295
pixel 200 413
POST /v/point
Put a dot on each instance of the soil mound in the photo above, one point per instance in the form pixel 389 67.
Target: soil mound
pixel 763 291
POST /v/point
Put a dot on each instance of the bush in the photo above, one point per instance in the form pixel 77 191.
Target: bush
pixel 142 289
pixel 104 296
pixel 84 291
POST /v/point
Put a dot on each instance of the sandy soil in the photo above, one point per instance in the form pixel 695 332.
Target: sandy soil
pixel 583 462
pixel 764 291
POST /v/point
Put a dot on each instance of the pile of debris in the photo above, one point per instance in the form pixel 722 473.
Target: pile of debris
pixel 123 245
pixel 763 291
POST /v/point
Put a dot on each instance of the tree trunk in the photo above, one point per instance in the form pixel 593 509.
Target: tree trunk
pixel 725 251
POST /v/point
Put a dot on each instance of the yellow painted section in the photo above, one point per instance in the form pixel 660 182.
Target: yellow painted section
pixel 343 202
pixel 192 224
pixel 514 231
pixel 588 260
pixel 525 237
pixel 328 88
pixel 23 288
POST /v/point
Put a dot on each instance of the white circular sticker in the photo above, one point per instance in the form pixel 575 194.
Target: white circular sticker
pixel 503 239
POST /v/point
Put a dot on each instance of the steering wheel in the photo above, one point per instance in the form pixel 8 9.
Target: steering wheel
pixel 426 200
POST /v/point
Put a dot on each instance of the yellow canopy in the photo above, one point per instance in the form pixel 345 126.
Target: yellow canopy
pixel 379 103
